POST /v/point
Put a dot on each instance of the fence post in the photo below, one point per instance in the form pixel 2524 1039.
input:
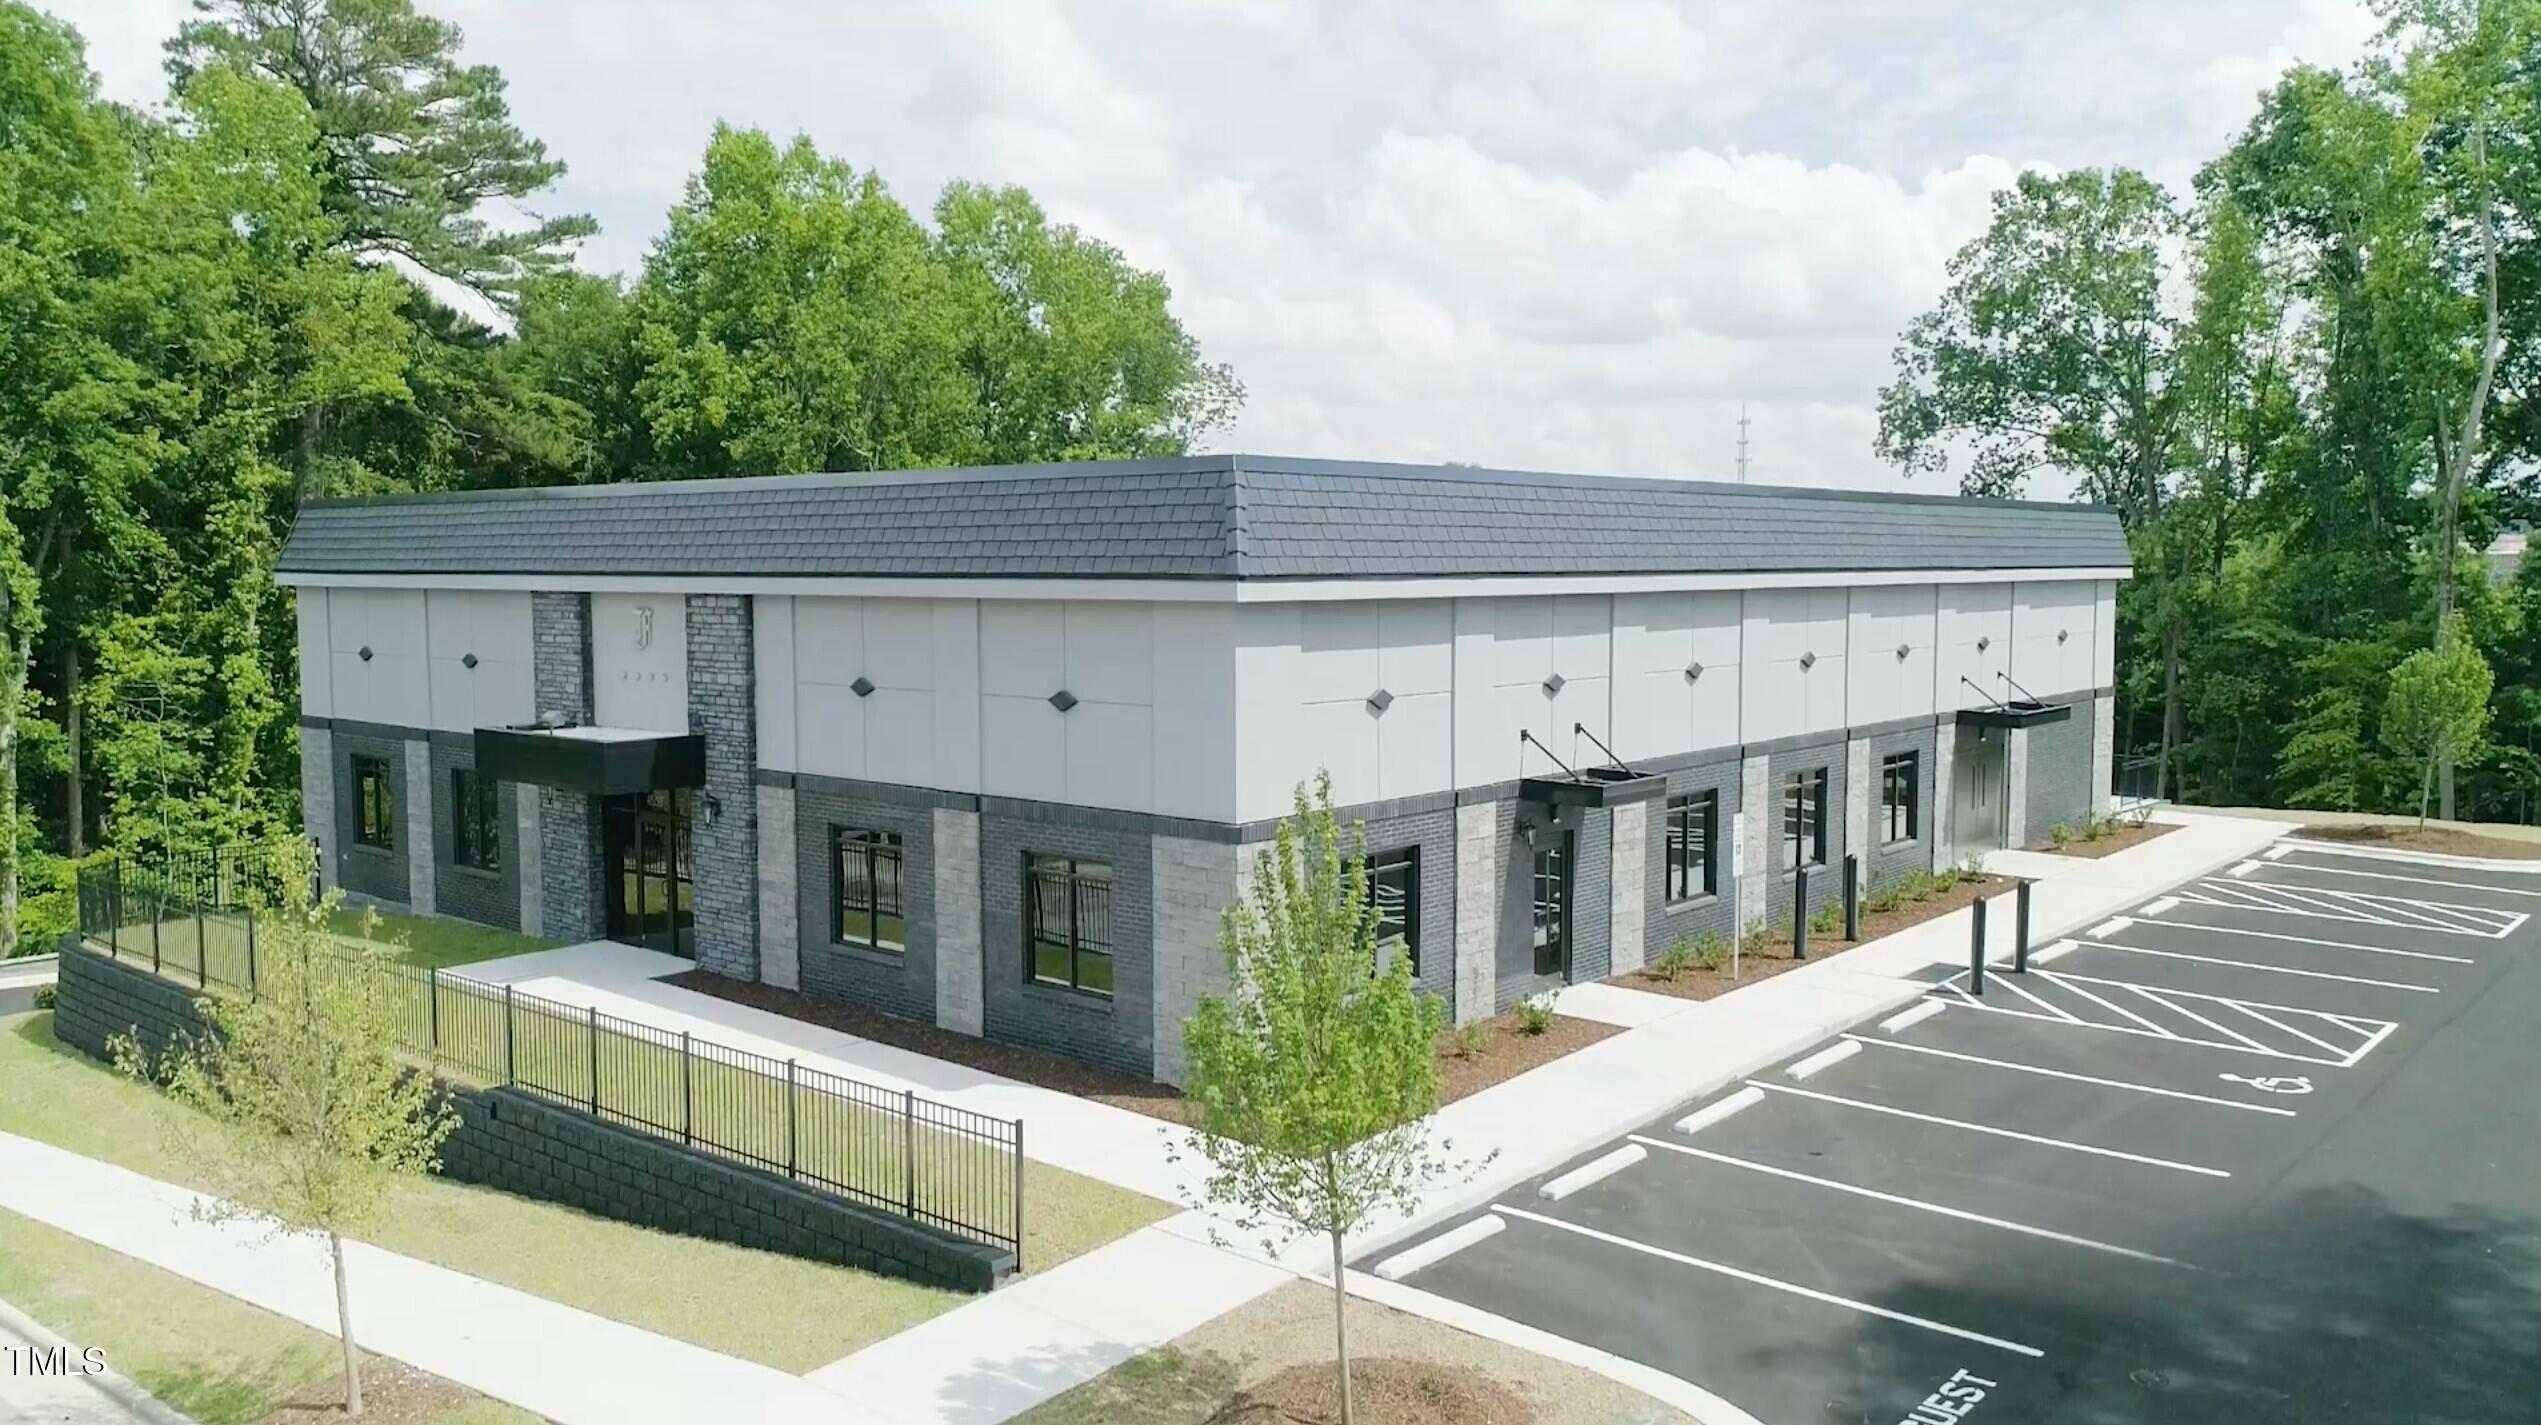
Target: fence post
pixel 687 1090
pixel 158 904
pixel 592 1019
pixel 251 953
pixel 1800 913
pixel 202 961
pixel 793 1153
pixel 1853 897
pixel 1976 947
pixel 432 996
pixel 115 927
pixel 909 1152
pixel 1018 1194
pixel 2020 928
pixel 508 1076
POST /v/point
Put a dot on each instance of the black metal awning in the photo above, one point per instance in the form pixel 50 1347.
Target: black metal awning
pixel 602 761
pixel 2015 714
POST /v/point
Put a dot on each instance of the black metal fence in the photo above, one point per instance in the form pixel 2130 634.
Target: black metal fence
pixel 2137 779
pixel 194 918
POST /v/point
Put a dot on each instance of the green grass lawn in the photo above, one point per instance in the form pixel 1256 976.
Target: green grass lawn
pixel 700 1291
pixel 431 942
pixel 214 1357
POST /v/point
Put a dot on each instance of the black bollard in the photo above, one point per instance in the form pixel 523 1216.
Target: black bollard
pixel 1976 948
pixel 1853 898
pixel 1800 913
pixel 2020 928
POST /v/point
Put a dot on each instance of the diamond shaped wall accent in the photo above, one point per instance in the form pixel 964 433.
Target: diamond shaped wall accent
pixel 1063 700
pixel 1983 642
pixel 1903 651
pixel 1808 661
pixel 1553 685
pixel 1380 700
pixel 1693 671
pixel 366 653
pixel 2063 633
pixel 467 660
pixel 862 687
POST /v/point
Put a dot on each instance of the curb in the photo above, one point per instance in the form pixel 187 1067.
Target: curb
pixel 139 1403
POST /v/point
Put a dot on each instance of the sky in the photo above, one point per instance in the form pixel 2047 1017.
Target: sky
pixel 1536 234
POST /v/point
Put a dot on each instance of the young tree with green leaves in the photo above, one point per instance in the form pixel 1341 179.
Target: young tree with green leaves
pixel 308 1113
pixel 2437 710
pixel 1313 1079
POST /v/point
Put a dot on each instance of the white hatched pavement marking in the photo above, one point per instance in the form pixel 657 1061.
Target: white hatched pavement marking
pixel 2290 1029
pixel 2256 965
pixel 2413 880
pixel 2316 940
pixel 2069 1145
pixel 2043 1071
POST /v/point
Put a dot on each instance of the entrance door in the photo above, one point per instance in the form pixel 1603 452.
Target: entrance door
pixel 1552 903
pixel 1976 790
pixel 648 867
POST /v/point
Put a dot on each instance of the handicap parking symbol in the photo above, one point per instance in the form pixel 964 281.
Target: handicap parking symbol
pixel 2292 1083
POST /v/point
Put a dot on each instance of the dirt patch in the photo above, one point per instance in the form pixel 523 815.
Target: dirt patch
pixel 1773 956
pixel 2441 839
pixel 393 1393
pixel 1501 1051
pixel 1387 1389
pixel 2109 843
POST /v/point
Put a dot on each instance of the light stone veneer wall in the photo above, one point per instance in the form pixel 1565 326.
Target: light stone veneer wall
pixel 1860 795
pixel 317 798
pixel 420 896
pixel 1194 883
pixel 533 886
pixel 1945 745
pixel 1758 804
pixel 1627 945
pixel 780 940
pixel 2103 753
pixel 1477 909
pixel 2016 788
pixel 960 1001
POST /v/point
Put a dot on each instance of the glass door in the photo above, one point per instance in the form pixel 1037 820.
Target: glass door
pixel 1552 903
pixel 648 863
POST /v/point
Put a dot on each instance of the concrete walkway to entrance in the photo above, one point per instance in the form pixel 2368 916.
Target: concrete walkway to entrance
pixel 565 1364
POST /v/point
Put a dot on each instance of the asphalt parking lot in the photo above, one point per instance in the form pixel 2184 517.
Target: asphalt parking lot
pixel 2267 1148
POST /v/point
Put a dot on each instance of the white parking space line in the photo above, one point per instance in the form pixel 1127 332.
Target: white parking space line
pixel 1822 1060
pixel 1918 1204
pixel 2416 880
pixel 2316 940
pixel 1710 1114
pixel 1774 1284
pixel 1437 1249
pixel 1971 1002
pixel 2243 869
pixel 1596 1170
pixel 2267 1108
pixel 2094 1149
pixel 2255 965
pixel 1922 1011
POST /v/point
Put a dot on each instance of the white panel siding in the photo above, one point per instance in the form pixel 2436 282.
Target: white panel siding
pixel 1969 615
pixel 2104 637
pixel 772 633
pixel 2052 637
pixel 1476 658
pixel 1882 685
pixel 959 714
pixel 639 661
pixel 317 663
pixel 1195 727
pixel 493 626
pixel 393 685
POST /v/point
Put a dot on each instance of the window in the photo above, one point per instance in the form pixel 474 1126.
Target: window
pixel 867 867
pixel 1899 798
pixel 1693 821
pixel 1804 819
pixel 374 804
pixel 475 821
pixel 1394 884
pixel 1068 922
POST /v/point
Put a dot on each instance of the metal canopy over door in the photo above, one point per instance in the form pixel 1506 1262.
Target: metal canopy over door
pixel 1976 789
pixel 645 842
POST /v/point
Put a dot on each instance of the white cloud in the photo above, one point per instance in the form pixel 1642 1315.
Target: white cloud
pixel 1556 233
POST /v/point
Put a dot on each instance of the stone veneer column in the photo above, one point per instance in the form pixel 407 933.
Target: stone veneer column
pixel 421 897
pixel 723 708
pixel 2103 754
pixel 2016 788
pixel 1755 803
pixel 1628 869
pixel 525 851
pixel 1861 794
pixel 961 1003
pixel 1945 746
pixel 1477 910
pixel 568 849
pixel 1194 883
pixel 780 914
pixel 317 798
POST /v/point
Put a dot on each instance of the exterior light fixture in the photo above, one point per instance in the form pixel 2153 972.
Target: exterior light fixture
pixel 1063 700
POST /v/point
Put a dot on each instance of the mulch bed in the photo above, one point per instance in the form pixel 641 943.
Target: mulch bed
pixel 1384 1390
pixel 2109 843
pixel 1506 1052
pixel 1699 983
pixel 2442 839
pixel 393 1393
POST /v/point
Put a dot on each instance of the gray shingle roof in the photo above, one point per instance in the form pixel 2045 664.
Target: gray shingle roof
pixel 1203 517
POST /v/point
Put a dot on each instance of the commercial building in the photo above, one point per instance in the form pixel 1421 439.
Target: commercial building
pixel 995 747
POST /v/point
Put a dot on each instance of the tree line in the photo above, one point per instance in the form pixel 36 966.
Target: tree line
pixel 254 295
pixel 2306 385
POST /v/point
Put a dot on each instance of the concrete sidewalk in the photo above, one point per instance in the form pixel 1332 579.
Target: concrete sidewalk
pixel 992 1358
pixel 567 1365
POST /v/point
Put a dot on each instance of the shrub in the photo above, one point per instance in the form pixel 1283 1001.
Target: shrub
pixel 1535 1013
pixel 1711 952
pixel 2060 836
pixel 44 996
pixel 1757 939
pixel 1467 1041
pixel 1828 920
pixel 1673 961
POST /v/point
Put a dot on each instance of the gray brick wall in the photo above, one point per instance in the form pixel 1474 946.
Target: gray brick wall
pixel 1514 965
pixel 1826 883
pixel 1435 834
pixel 1592 896
pixel 568 822
pixel 1664 923
pixel 370 870
pixel 902 984
pixel 96 999
pixel 1881 860
pixel 959 965
pixel 1117 1033
pixel 2059 790
pixel 723 708
pixel 486 897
